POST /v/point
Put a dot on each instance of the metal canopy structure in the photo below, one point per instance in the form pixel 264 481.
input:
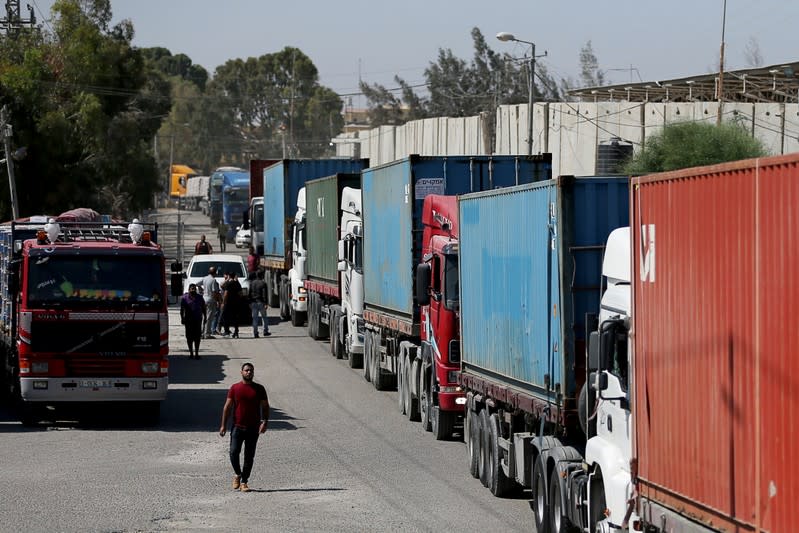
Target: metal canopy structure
pixel 773 84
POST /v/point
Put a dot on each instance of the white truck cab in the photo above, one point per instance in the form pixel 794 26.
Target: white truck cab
pixel 298 302
pixel 609 449
pixel 350 266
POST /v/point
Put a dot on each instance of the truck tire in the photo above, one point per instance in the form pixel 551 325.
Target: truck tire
pixel 285 298
pixel 401 382
pixel 272 291
pixel 411 403
pixel 499 484
pixel 425 404
pixel 558 521
pixel 367 355
pixel 338 346
pixel 538 482
pixel 471 433
pixel 297 320
pixel 484 467
pixel 442 423
pixel 333 330
pixel 596 509
pixel 355 360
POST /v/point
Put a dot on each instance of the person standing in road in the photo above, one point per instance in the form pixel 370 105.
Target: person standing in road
pixel 253 261
pixel 192 312
pixel 212 295
pixel 221 232
pixel 258 302
pixel 231 303
pixel 203 247
pixel 249 404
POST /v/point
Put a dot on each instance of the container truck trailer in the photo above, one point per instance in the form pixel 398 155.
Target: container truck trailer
pixel 332 283
pixel 396 351
pixel 706 322
pixel 284 228
pixel 530 272
pixel 84 313
pixel 255 217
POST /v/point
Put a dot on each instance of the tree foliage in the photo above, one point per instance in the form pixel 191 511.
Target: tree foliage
pixel 691 144
pixel 83 104
pixel 457 88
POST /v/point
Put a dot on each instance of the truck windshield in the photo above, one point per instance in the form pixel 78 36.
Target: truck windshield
pixel 100 281
pixel 357 254
pixel 257 217
pixel 451 294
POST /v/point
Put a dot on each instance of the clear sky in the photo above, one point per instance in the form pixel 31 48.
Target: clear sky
pixel 375 39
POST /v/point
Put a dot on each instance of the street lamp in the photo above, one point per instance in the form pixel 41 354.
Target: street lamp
pixel 505 37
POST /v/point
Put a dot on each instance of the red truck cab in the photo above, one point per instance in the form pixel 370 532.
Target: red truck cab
pixel 437 285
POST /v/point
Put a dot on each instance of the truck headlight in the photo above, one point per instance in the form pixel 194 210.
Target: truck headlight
pixel 40 367
pixel 150 367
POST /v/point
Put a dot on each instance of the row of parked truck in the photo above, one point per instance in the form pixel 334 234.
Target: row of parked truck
pixel 618 346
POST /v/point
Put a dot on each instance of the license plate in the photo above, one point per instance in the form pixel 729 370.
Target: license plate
pixel 95 383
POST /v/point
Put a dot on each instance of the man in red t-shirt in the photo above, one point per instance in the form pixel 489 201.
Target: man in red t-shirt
pixel 249 404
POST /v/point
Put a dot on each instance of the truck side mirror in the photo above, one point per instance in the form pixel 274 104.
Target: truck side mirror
pixel 598 381
pixel 423 284
pixel 13 278
pixel 593 350
pixel 341 266
pixel 177 266
pixel 341 251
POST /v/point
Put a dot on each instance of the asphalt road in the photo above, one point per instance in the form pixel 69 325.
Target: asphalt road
pixel 338 455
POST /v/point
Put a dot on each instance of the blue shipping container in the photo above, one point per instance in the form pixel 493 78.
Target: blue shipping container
pixel 282 183
pixel 530 269
pixel 393 195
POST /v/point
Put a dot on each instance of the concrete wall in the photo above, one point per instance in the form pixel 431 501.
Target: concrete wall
pixel 571 131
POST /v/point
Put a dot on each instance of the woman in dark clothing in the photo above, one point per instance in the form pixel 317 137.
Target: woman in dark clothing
pixel 192 313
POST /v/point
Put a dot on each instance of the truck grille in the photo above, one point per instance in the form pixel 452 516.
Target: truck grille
pixel 78 367
pixel 96 337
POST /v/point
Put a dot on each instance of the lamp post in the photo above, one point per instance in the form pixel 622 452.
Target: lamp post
pixel 505 37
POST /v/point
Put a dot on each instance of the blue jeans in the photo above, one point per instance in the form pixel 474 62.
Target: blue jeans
pixel 249 438
pixel 259 310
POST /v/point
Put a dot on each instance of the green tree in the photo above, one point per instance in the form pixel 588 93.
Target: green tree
pixel 179 65
pixel 590 74
pixel 691 144
pixel 85 106
pixel 276 99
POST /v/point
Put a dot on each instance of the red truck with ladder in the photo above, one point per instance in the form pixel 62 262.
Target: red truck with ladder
pixel 84 313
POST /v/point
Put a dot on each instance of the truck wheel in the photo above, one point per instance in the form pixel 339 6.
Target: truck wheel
pixel 597 505
pixel 333 331
pixel 485 464
pixel 471 434
pixel 558 521
pixel 401 383
pixel 272 295
pixel 338 346
pixel 499 484
pixel 442 422
pixel 424 403
pixel 284 303
pixel 355 360
pixel 540 496
pixel 367 355
pixel 411 403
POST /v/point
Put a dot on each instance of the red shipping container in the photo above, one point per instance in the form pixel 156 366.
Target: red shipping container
pixel 715 289
pixel 257 167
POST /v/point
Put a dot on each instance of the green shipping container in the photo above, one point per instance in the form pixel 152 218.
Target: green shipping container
pixel 322 217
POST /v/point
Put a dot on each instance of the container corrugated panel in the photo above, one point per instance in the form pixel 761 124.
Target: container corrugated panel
pixel 716 401
pixel 282 182
pixel 393 195
pixel 530 270
pixel 323 214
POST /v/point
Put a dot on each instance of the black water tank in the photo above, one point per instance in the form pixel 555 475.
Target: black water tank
pixel 611 155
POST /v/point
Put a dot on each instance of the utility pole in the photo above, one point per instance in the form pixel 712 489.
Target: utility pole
pixel 13 21
pixel 721 65
pixel 7 131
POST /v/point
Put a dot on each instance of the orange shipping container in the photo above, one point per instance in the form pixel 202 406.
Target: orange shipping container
pixel 715 291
